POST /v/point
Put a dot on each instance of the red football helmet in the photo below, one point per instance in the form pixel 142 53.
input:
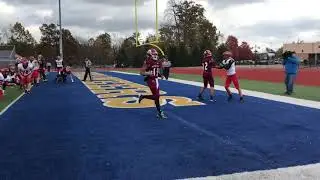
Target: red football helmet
pixel 25 63
pixel 153 54
pixel 207 53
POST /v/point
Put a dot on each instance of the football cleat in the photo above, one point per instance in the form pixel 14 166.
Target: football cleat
pixel 140 98
pixel 200 98
pixel 212 100
pixel 161 115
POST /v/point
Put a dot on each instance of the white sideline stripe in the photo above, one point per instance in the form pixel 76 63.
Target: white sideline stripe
pixel 278 98
pixel 78 76
pixel 306 172
pixel 9 105
pixel 14 101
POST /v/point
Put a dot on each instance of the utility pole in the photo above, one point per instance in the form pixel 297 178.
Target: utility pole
pixel 60 26
pixel 315 54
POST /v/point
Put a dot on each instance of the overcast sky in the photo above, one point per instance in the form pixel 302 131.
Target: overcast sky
pixel 260 22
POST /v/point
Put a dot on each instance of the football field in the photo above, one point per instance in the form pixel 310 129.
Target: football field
pixel 97 130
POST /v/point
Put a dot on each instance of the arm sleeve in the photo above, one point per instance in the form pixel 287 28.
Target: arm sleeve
pixel 229 64
pixel 160 72
pixel 284 61
pixel 1 77
pixel 293 60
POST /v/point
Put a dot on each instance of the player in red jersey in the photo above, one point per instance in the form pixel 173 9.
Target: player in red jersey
pixel 25 69
pixel 207 65
pixel 151 69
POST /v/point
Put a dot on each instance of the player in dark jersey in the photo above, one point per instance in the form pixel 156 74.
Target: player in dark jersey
pixel 207 65
pixel 42 68
pixel 151 70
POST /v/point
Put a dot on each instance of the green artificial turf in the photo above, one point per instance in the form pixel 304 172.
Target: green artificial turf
pixel 11 94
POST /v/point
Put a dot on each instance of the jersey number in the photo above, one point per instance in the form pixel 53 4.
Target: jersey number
pixel 205 66
pixel 155 71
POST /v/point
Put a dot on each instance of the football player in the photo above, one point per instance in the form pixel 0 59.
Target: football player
pixel 25 71
pixel 67 71
pixel 36 69
pixel 42 68
pixel 59 66
pixel 207 65
pixel 151 69
pixel 228 63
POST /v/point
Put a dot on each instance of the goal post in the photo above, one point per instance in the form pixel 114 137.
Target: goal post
pixel 156 41
pixel 7 55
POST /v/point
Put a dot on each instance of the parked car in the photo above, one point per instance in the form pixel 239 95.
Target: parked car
pixel 278 61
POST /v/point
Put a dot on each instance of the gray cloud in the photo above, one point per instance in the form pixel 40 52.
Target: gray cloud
pixel 84 17
pixel 220 4
pixel 280 29
pixel 116 2
pixel 30 2
pixel 75 2
pixel 118 14
pixel 274 34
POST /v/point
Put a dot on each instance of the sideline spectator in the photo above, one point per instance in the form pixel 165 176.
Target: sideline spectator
pixel 291 65
pixel 166 68
pixel 87 65
pixel 48 66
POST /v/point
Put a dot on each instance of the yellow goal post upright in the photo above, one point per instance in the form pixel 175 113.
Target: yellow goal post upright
pixel 153 43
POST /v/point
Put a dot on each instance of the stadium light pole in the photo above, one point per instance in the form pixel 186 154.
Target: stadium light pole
pixel 60 29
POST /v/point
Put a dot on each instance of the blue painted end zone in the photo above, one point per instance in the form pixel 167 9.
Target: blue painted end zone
pixel 75 137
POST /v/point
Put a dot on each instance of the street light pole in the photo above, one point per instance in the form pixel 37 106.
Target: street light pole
pixel 60 26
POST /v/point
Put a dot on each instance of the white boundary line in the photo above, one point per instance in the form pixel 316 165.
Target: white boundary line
pixel 278 98
pixel 310 171
pixel 9 105
pixel 306 172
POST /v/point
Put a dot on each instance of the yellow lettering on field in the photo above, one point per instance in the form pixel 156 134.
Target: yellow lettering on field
pixel 112 92
pixel 93 83
pixel 99 91
pixel 126 92
pixel 130 102
pixel 181 101
pixel 93 86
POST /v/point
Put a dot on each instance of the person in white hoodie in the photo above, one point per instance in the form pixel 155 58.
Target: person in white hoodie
pixel 229 64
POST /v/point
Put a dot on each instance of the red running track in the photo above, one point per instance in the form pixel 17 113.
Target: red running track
pixel 306 76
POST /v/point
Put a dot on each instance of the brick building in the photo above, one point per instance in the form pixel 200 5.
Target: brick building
pixel 306 51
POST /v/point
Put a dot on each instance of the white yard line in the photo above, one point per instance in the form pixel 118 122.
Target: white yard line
pixel 307 172
pixel 12 103
pixel 8 106
pixel 278 98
